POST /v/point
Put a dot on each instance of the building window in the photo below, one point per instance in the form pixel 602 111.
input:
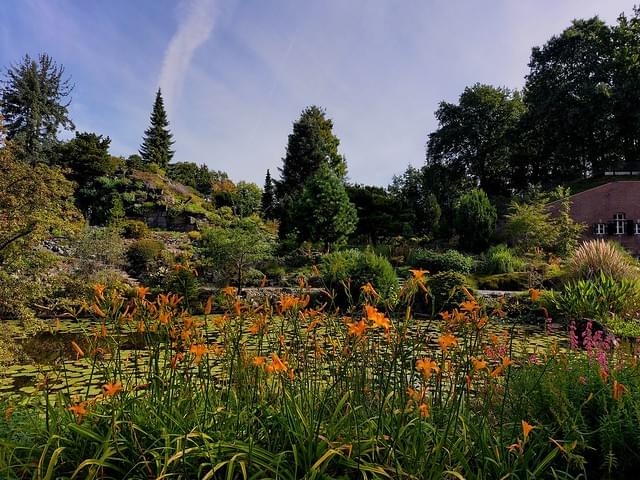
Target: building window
pixel 601 228
pixel 621 222
pixel 637 228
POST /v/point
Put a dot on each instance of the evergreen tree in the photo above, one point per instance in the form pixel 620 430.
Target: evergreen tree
pixel 268 197
pixel 33 101
pixel 323 211
pixel 157 142
pixel 475 220
pixel 311 144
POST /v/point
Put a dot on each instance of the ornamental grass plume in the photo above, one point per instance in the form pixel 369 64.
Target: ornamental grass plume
pixel 598 256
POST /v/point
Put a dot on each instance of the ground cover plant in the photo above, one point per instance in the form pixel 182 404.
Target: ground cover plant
pixel 282 390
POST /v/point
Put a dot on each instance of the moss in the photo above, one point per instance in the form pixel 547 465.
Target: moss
pixel 504 281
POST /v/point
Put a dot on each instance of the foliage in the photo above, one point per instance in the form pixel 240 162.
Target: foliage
pixel 268 198
pixel 189 173
pixel 501 259
pixel 436 262
pixel 323 212
pixel 598 298
pixel 87 155
pixel 157 141
pixel 97 248
pixel 447 289
pixel 346 272
pixel 229 252
pixel 596 257
pixel 475 220
pixel 135 229
pixel 514 281
pixel 476 136
pixel 568 230
pixel 529 226
pixel 33 103
pixel 378 214
pixel 183 281
pixel 141 254
pixel 246 199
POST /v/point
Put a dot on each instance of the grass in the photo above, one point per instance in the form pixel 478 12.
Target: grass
pixel 287 391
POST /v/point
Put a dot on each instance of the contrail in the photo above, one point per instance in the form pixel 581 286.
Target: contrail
pixel 193 30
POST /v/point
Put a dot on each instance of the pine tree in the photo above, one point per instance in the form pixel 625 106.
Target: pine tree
pixel 311 144
pixel 33 103
pixel 268 197
pixel 157 142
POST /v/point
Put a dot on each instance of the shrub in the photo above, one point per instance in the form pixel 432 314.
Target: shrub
pixel 475 219
pixel 135 229
pixel 346 272
pixel 184 282
pixel 597 256
pixel 143 252
pixel 446 289
pixel 451 260
pixel 500 259
pixel 505 281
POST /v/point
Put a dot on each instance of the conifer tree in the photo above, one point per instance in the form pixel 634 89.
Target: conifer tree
pixel 157 142
pixel 268 197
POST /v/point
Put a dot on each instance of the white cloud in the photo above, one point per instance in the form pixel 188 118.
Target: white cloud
pixel 194 29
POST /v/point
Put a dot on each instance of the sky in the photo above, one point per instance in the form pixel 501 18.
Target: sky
pixel 236 74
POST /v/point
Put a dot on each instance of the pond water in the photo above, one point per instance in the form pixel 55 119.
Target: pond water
pixel 51 355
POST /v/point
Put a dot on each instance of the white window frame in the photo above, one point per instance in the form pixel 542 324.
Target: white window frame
pixel 636 228
pixel 621 222
pixel 601 228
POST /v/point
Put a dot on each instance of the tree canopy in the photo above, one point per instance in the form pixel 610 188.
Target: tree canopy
pixel 157 141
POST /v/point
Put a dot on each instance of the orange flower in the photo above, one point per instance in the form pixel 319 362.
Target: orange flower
pixel 142 292
pixel 424 409
pixel 479 364
pixel 163 317
pixel 198 350
pixel 415 395
pixel 378 318
pixel 230 291
pixel 140 328
pixel 259 361
pixel 427 367
pixel 358 328
pixel 534 294
pixel 618 390
pixel 98 290
pixel 418 274
pixel 446 341
pixel 177 358
pixel 237 307
pixel 277 364
pixel 469 306
pixel 368 289
pixel 78 350
pixel 526 428
pixel 111 389
pixel 98 311
pixel 79 410
pixel 208 306
pixel 102 333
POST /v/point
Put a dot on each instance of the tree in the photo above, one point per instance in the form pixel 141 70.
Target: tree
pixel 311 144
pixel 268 200
pixel 323 211
pixel 87 155
pixel 475 136
pixel 33 101
pixel 475 220
pixel 246 199
pixel 232 250
pixel 378 213
pixel 157 142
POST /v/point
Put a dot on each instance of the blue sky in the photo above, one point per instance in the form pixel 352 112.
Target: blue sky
pixel 237 73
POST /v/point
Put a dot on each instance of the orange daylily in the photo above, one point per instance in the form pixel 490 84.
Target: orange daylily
pixel 230 291
pixel 526 428
pixel 358 328
pixel 378 318
pixel 198 350
pixel 368 289
pixel 142 292
pixel 424 409
pixel 79 410
pixel 479 364
pixel 277 365
pixel 469 306
pixel 98 290
pixel 208 306
pixel 427 367
pixel 534 294
pixel 98 311
pixel 177 358
pixel 78 350
pixel 418 274
pixel 140 328
pixel 259 361
pixel 111 389
pixel 618 390
pixel 446 341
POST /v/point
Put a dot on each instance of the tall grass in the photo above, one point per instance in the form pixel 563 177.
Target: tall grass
pixel 286 391
pixel 597 256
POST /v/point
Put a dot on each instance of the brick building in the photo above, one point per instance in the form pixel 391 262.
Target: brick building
pixel 610 211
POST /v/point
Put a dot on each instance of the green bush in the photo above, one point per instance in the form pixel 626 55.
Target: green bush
pixel 135 229
pixel 142 253
pixel 345 272
pixel 184 282
pixel 597 256
pixel 500 259
pixel 450 260
pixel 504 281
pixel 446 289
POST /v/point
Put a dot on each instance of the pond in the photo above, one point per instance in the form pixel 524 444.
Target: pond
pixel 50 354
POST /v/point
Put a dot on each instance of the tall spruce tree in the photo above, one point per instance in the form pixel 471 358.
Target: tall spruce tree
pixel 268 197
pixel 157 142
pixel 33 101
